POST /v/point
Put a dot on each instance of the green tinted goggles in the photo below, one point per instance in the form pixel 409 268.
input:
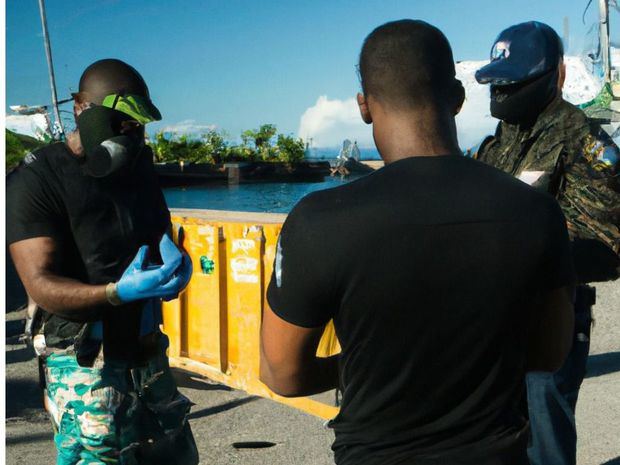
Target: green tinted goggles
pixel 138 107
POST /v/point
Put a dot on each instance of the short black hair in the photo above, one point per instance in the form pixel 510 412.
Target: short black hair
pixel 407 64
pixel 111 76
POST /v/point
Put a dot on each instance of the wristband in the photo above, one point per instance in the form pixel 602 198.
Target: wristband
pixel 112 295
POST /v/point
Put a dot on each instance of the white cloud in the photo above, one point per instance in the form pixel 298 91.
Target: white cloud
pixel 189 127
pixel 474 121
pixel 580 85
pixel 29 125
pixel 329 122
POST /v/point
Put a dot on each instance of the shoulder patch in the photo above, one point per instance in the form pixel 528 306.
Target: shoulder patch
pixel 278 264
pixel 600 155
pixel 29 158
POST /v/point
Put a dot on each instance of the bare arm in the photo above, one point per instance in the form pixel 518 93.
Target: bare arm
pixel 69 298
pixel 289 365
pixel 550 332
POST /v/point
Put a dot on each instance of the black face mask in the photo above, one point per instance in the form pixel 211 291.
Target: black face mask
pixel 521 103
pixel 106 149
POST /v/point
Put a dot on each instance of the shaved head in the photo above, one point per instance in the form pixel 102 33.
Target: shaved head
pixel 111 76
pixel 407 65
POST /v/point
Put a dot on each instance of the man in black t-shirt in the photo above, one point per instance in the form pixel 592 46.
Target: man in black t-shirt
pixel 85 220
pixel 446 279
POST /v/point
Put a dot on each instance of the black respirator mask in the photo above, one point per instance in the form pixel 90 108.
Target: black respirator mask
pixel 107 150
pixel 521 103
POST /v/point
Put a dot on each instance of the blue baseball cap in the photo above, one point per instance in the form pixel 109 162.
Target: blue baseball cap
pixel 520 53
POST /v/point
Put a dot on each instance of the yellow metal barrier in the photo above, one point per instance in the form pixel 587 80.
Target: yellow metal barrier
pixel 214 326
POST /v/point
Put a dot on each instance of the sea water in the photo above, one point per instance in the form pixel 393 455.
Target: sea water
pixel 277 197
pixel 332 153
pixel 274 197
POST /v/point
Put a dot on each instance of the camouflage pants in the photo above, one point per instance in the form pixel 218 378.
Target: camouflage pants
pixel 109 414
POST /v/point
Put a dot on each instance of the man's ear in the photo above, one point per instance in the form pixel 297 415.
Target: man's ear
pixel 459 96
pixel 364 111
pixel 561 75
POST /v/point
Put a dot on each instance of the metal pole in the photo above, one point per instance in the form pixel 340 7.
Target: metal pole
pixel 50 66
pixel 566 35
pixel 604 38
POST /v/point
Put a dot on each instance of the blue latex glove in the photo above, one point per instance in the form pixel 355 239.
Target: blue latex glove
pixel 140 281
pixel 185 270
pixel 183 274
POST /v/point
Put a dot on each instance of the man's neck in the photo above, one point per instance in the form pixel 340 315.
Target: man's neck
pixel 539 120
pixel 549 109
pixel 74 144
pixel 399 136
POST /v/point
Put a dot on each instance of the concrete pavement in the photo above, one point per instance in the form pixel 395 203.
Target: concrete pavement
pixel 223 416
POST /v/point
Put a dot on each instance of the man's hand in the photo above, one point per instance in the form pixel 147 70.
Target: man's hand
pixel 140 281
pixel 36 263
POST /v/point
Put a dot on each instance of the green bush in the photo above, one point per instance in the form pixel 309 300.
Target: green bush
pixel 261 137
pixel 290 150
pixel 17 146
pixel 240 153
pixel 183 148
pixel 211 147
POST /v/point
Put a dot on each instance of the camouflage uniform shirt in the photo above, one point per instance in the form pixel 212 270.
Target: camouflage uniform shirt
pixel 571 158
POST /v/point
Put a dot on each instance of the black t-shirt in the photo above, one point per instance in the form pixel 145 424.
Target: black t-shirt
pixel 98 224
pixel 427 267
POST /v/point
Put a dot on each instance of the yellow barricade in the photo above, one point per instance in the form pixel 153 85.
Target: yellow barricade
pixel 214 325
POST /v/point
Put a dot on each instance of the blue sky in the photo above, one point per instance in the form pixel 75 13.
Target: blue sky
pixel 237 64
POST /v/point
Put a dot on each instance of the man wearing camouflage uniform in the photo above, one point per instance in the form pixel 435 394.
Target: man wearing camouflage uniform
pixel 550 144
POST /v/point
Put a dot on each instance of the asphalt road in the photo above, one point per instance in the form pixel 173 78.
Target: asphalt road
pixel 223 416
